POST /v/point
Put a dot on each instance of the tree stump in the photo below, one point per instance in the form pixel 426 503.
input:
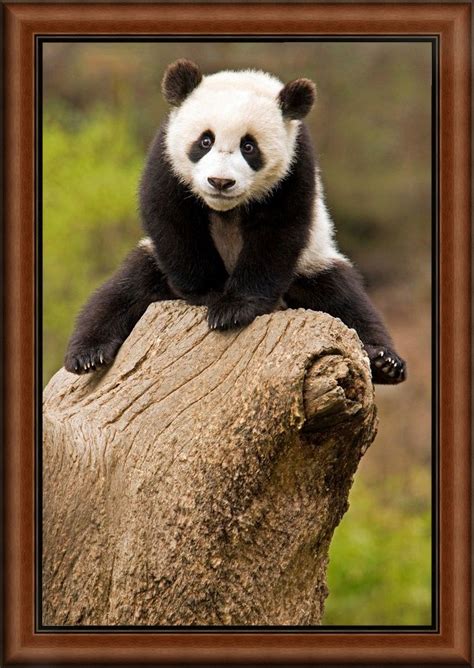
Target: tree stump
pixel 198 481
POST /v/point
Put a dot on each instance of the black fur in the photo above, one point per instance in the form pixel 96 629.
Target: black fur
pixel 297 98
pixel 339 291
pixel 197 151
pixel 113 310
pixel 178 223
pixel 255 158
pixel 180 79
pixel 186 264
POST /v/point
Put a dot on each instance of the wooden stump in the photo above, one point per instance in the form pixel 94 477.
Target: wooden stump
pixel 199 480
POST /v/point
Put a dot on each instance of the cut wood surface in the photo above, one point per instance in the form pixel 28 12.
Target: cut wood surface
pixel 199 480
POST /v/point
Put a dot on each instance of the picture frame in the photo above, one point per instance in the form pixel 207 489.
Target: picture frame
pixel 450 642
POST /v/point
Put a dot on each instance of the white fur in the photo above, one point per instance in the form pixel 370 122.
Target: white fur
pixel 147 244
pixel 321 251
pixel 231 105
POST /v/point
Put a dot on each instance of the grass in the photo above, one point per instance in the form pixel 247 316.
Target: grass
pixel 380 558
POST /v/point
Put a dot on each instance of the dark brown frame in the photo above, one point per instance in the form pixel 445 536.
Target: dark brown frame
pixel 451 645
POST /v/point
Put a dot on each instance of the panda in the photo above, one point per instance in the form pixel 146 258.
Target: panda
pixel 233 210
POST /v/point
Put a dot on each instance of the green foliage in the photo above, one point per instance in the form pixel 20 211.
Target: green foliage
pixel 380 557
pixel 90 176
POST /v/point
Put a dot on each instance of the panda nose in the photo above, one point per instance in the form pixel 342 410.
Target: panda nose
pixel 221 184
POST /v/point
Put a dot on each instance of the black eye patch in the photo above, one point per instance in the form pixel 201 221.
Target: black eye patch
pixel 251 152
pixel 201 146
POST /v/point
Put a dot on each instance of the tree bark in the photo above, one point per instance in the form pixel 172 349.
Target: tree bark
pixel 199 480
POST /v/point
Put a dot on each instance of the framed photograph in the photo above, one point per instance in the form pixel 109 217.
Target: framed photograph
pixel 172 494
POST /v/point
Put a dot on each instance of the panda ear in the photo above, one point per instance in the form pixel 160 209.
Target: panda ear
pixel 297 98
pixel 180 79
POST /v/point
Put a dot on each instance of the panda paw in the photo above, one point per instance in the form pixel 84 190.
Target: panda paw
pixel 229 312
pixel 84 359
pixel 387 367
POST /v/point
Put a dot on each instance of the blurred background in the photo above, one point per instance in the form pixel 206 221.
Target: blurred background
pixel 372 131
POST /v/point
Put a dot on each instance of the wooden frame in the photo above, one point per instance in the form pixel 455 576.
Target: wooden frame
pixel 451 643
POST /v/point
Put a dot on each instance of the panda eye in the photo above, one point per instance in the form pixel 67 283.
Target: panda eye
pixel 248 147
pixel 206 142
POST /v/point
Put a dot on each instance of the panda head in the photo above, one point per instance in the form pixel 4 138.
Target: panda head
pixel 231 136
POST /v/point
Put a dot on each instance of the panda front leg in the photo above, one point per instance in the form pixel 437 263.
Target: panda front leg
pixel 339 291
pixel 113 310
pixel 263 272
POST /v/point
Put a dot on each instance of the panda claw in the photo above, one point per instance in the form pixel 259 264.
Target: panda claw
pixel 387 367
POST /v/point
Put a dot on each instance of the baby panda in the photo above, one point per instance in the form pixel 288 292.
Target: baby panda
pixel 234 215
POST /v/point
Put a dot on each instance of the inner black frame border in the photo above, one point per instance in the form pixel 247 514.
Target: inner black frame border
pixel 433 628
